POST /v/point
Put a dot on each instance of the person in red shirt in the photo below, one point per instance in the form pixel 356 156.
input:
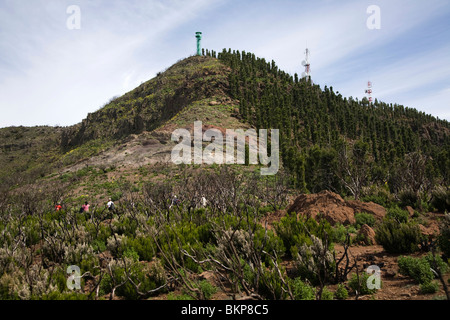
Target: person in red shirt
pixel 58 207
pixel 85 207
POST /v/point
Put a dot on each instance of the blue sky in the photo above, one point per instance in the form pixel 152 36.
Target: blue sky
pixel 51 75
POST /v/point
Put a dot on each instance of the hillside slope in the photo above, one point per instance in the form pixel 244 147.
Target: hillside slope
pixel 136 126
pixel 232 233
pixel 238 90
pixel 153 103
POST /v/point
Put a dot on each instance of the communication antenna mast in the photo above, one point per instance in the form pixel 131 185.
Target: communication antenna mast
pixel 198 35
pixel 369 92
pixel 307 65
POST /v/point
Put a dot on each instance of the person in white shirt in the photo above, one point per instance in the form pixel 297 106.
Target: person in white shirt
pixel 110 205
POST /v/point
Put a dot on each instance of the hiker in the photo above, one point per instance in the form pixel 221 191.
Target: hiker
pixel 175 202
pixel 204 202
pixel 110 205
pixel 58 207
pixel 85 207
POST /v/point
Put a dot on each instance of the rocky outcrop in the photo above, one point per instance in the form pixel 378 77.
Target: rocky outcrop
pixel 325 204
pixel 369 207
pixel 333 208
pixel 367 235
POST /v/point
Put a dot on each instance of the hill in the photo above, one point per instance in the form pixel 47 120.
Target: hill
pixel 361 186
pixel 318 126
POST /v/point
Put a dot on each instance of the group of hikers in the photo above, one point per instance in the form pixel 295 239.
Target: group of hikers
pixel 85 207
pixel 175 202
pixel 111 206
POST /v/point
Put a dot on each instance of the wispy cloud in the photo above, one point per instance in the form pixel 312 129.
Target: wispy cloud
pixel 52 75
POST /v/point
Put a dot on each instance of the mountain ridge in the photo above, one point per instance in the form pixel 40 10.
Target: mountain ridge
pixel 238 86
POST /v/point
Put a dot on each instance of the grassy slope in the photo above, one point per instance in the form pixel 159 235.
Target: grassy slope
pixel 27 154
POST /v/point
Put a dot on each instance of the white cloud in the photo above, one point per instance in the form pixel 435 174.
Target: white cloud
pixel 51 75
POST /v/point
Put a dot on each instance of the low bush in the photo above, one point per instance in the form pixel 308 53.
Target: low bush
pixel 444 235
pixel 417 268
pixel 66 296
pixel 145 277
pixel 182 296
pixel 359 284
pixel 296 232
pixel 408 198
pixel 301 290
pixel 429 287
pixel 440 199
pixel 327 294
pixel 341 292
pixel 398 214
pixel 315 262
pixel 364 218
pixel 207 289
pixel 398 237
pixel 378 195
pixel 144 247
pixel 436 262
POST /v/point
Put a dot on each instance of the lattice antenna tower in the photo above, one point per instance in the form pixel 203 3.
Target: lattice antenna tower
pixel 369 92
pixel 307 65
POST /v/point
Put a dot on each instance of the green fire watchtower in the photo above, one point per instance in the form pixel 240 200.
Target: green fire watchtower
pixel 198 35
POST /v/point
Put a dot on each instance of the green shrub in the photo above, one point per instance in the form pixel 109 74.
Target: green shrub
pixel 183 296
pixel 327 294
pixel 440 199
pixel 398 214
pixel 58 296
pixel 301 290
pixel 398 237
pixel 379 195
pixel 269 242
pixel 314 261
pixel 207 289
pixel 416 268
pixel 437 262
pixel 296 232
pixel 8 290
pixel 98 245
pixel 341 292
pixel 429 287
pixel 131 254
pixel 359 284
pixel 340 232
pixel 444 236
pixel 364 218
pixel 148 278
pixel 270 285
pixel 408 198
pixel 144 247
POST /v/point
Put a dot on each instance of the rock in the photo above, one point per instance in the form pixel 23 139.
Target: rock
pixel 333 208
pixel 367 234
pixel 431 230
pixel 214 103
pixel 325 204
pixel 368 207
